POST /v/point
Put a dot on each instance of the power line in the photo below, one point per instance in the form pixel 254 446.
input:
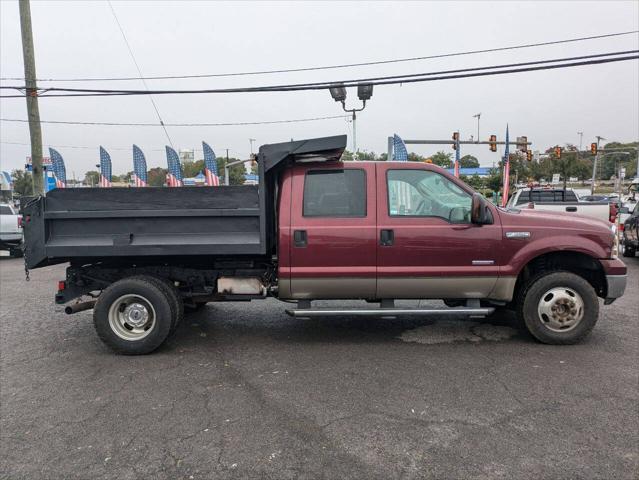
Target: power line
pixel 95 147
pixel 155 107
pixel 386 80
pixel 225 124
pixel 332 67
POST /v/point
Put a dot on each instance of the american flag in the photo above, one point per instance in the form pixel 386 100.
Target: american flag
pixel 105 168
pixel 399 149
pixel 210 166
pixel 504 199
pixel 174 176
pixel 59 171
pixel 139 167
pixel 457 154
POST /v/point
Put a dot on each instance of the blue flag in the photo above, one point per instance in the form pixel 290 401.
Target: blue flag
pixel 174 177
pixel 105 168
pixel 210 166
pixel 399 148
pixel 59 170
pixel 139 167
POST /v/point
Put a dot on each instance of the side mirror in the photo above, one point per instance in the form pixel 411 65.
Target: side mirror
pixel 479 211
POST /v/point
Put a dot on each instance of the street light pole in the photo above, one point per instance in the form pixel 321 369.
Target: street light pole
pixel 364 92
pixel 594 166
pixel 478 116
pixel 354 134
pixel 251 140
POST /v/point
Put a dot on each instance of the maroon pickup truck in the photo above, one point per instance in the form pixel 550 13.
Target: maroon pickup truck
pixel 318 228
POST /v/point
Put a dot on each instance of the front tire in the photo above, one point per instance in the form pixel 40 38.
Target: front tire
pixel 134 316
pixel 559 308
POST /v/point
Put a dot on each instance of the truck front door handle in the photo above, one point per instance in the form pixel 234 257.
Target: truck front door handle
pixel 386 238
pixel 571 209
pixel 300 238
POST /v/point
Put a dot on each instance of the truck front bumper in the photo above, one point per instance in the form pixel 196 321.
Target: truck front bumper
pixel 616 287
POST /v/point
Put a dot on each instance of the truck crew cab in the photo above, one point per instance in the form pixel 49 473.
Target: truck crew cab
pixel 318 228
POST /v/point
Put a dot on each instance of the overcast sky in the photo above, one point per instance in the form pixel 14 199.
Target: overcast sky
pixel 81 39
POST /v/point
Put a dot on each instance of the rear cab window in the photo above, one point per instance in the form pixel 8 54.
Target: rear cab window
pixel 6 210
pixel 335 193
pixel 546 196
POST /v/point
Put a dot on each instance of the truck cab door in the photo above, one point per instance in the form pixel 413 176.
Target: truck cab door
pixel 427 246
pixel 333 239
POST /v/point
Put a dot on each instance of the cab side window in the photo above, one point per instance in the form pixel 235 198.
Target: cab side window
pixel 335 193
pixel 423 193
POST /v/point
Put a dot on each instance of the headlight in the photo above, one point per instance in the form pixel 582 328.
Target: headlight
pixel 614 250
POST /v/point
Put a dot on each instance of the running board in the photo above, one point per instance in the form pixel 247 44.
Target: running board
pixel 390 312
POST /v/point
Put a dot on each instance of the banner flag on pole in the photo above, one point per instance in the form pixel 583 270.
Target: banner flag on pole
pixel 139 167
pixel 105 168
pixel 400 154
pixel 174 176
pixel 210 166
pixel 457 155
pixel 59 170
pixel 504 200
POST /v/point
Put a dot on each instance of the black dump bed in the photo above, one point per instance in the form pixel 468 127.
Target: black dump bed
pixel 98 224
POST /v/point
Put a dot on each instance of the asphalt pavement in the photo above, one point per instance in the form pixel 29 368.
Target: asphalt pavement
pixel 244 391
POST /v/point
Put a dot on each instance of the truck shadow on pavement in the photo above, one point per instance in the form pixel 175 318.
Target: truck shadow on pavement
pixel 219 323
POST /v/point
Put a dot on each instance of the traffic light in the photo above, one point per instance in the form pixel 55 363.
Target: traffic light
pixel 493 143
pixel 455 140
pixel 593 148
pixel 558 152
pixel 529 155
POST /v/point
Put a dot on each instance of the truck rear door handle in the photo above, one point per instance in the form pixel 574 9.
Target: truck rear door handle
pixel 386 238
pixel 571 209
pixel 300 239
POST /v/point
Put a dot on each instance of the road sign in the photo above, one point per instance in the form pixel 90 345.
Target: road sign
pixel 555 178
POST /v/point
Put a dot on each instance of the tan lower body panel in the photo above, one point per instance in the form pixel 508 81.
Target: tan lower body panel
pixel 435 287
pixel 398 287
pixel 330 287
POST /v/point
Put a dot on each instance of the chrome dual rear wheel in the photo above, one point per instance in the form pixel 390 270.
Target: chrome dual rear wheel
pixel 131 317
pixel 135 315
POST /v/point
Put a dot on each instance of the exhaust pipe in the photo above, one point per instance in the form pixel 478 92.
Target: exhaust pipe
pixel 79 307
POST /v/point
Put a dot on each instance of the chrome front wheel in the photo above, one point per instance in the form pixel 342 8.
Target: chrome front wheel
pixel 561 309
pixel 558 307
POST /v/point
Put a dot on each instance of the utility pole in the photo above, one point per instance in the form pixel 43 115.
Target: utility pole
pixel 251 140
pixel 33 111
pixel 581 138
pixel 594 167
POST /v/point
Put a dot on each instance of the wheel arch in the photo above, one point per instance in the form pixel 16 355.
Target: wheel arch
pixel 579 263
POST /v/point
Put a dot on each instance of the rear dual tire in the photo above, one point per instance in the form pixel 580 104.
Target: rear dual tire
pixel 135 316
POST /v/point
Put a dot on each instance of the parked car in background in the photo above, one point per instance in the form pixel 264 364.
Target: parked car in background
pixel 10 230
pixel 560 200
pixel 630 232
